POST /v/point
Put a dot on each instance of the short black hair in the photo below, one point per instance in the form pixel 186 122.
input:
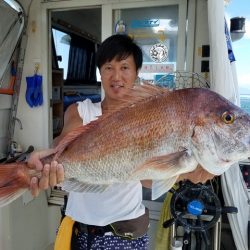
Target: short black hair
pixel 118 46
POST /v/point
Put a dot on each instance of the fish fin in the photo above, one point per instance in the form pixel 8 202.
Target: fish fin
pixel 10 195
pixel 160 187
pixel 137 94
pixel 14 181
pixel 144 91
pixel 163 161
pixel 67 139
pixel 78 186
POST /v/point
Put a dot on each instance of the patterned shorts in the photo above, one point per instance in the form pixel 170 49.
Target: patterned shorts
pixel 109 242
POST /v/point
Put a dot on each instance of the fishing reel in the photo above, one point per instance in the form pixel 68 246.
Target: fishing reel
pixel 196 207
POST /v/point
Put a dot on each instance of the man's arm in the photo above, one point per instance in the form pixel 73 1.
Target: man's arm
pixel 71 121
pixel 196 176
pixel 52 174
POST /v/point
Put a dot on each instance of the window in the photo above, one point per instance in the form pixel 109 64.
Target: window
pixel 76 55
pixel 62 45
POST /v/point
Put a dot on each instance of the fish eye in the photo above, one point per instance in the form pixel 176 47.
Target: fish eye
pixel 227 117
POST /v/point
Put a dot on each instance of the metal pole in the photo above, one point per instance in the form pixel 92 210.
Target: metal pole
pixel 217 235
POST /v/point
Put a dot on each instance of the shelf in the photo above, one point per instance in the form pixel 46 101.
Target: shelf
pixel 56 102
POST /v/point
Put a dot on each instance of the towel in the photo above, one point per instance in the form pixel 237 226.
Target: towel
pixel 163 235
pixel 63 238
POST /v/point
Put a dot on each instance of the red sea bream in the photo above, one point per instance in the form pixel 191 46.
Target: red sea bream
pixel 154 134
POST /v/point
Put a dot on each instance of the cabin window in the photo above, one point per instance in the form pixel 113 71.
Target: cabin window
pixel 155 30
pixel 61 45
pixel 76 55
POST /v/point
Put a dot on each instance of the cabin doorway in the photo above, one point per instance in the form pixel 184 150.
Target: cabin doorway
pixel 75 36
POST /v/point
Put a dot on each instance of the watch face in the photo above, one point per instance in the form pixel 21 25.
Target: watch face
pixel 159 52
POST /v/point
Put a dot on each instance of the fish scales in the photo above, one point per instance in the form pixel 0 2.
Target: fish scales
pixel 127 139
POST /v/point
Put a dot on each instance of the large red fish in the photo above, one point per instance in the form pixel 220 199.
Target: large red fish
pixel 154 134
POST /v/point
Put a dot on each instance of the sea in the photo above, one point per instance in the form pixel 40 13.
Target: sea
pixel 245 102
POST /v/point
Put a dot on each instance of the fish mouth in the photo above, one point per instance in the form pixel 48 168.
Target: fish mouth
pixel 222 156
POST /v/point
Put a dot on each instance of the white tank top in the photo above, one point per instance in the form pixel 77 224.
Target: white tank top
pixel 121 201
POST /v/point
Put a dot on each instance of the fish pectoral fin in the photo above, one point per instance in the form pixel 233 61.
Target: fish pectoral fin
pixel 162 162
pixel 82 187
pixel 160 187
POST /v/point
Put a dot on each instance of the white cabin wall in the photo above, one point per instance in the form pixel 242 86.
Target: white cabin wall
pixel 200 35
pixel 28 226
pixel 34 120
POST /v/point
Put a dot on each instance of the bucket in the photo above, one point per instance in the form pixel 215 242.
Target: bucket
pixel 176 245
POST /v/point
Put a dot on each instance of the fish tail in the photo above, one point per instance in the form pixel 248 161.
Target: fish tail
pixel 14 181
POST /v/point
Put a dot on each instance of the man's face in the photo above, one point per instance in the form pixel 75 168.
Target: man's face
pixel 118 77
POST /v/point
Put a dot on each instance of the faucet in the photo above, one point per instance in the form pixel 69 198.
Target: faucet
pixel 19 122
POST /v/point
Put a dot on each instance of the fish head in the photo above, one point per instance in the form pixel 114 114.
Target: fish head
pixel 221 133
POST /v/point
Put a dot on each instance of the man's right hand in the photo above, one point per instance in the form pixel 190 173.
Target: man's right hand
pixel 51 174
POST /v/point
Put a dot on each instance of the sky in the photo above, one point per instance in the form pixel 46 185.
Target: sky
pixel 241 48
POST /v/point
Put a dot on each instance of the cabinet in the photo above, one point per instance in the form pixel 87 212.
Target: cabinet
pixel 57 101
